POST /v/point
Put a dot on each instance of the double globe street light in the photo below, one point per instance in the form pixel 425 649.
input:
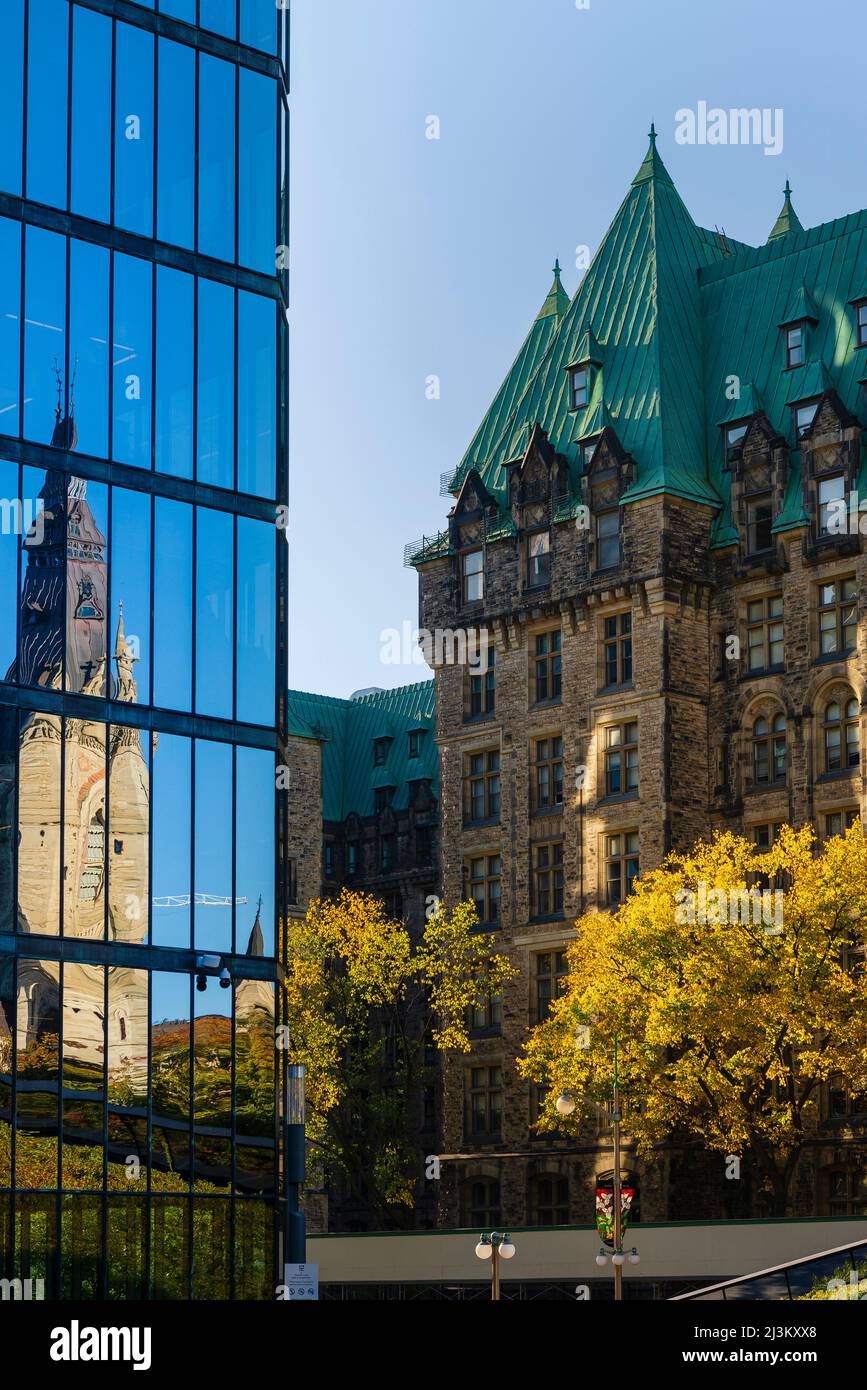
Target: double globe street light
pixel 495 1247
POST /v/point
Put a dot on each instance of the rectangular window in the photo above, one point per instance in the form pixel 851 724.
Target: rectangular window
pixel 423 846
pixel 483 1208
pixel 483 684
pixel 351 859
pixel 617 644
pixel 382 798
pixel 415 738
pixel 621 759
pixel 580 388
pixel 760 515
pixel 482 786
pixel 861 325
pixel 735 436
pixel 838 617
pixel 838 822
pixel 548 773
pixel 795 346
pixel 487 1015
pixel 804 417
pixel 548 663
pixel 292 885
pixel 621 866
pixel 547 880
pixel 329 861
pixel 550 1205
pixel 388 853
pixel 832 515
pixel 607 540
pixel 486 1101
pixel 380 751
pixel 485 876
pixel 550 972
pixel 473 576
pixel 538 559
pixel 765 648
pixel 765 836
pixel 216 162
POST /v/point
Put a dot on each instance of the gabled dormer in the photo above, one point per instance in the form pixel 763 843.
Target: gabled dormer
pixel 830 447
pixel 800 319
pixel 608 472
pixel 583 369
pixel 468 525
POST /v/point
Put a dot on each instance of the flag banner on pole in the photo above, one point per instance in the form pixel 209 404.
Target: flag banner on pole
pixel 605 1212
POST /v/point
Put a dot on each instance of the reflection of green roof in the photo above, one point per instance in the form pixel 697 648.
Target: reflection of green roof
pixel 686 316
pixel 347 730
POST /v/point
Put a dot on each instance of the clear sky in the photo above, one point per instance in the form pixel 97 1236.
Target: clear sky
pixel 414 257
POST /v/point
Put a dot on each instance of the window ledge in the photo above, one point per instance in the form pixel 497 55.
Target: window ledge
pixel 616 798
pixel 839 774
pixel 481 824
pixel 550 917
pixel 615 689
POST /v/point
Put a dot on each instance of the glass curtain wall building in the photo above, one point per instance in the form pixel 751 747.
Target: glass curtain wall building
pixel 143 485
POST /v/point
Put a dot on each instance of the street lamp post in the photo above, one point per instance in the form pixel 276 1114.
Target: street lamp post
pixel 565 1106
pixel 495 1247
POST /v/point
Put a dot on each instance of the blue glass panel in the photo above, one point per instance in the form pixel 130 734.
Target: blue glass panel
pixel 257 394
pixel 134 130
pixel 10 325
pixel 89 269
pixel 259 24
pixel 216 385
pixel 173 604
pixel 47 78
pixel 130 585
pixel 216 158
pixel 254 847
pixel 181 9
pixel 257 171
pixel 171 783
pixel 10 529
pixel 176 147
pixel 219 16
pixel 11 93
pixel 44 331
pixel 173 445
pixel 257 581
pixel 86 588
pixel 213 856
pixel 90 175
pixel 131 360
pixel 214 612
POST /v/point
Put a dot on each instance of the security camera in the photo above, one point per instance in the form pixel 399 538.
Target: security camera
pixel 201 983
pixel 225 978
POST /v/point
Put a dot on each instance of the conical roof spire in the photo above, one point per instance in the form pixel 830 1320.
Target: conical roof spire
pixel 557 301
pixel 652 166
pixel 788 220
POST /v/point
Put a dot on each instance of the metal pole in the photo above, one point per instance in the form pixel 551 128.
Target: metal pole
pixel 618 1239
pixel 495 1270
pixel 295 1227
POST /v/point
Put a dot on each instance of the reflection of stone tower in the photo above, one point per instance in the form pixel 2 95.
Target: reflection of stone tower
pixel 254 999
pixel 84 852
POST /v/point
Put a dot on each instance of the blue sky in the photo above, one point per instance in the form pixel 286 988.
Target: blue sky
pixel 413 257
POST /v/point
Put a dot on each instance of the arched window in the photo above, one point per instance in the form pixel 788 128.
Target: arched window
pixel 92 871
pixel 842 734
pixel 769 750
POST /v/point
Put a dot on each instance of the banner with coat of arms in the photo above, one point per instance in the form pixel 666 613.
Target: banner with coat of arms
pixel 605 1212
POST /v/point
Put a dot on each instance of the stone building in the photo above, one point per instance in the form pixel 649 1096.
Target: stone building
pixel 364 814
pixel 644 527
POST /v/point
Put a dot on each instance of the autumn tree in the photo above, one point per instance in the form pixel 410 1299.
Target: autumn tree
pixel 732 1006
pixel 367 1009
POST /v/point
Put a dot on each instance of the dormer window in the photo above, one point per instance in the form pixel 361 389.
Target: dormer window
pixel 415 738
pixel 804 417
pixel 795 342
pixel 760 515
pixel 473 576
pixel 538 559
pixel 380 751
pixel 382 798
pixel 580 383
pixel 861 324
pixel 832 505
pixel 587 452
pixel 608 539
pixel 735 436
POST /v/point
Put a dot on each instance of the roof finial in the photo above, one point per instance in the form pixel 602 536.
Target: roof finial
pixel 787 192
pixel 652 133
pixel 557 270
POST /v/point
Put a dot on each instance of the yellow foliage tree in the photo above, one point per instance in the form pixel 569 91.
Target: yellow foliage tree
pixel 365 1005
pixel 731 1009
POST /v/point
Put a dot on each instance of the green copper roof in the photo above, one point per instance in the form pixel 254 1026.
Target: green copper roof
pixel 684 319
pixel 788 220
pixel 347 730
pixel 522 370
